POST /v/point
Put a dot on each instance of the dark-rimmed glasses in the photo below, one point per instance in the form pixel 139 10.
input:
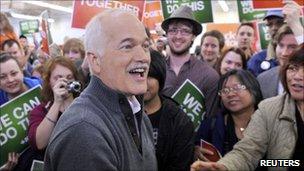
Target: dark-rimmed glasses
pixel 183 32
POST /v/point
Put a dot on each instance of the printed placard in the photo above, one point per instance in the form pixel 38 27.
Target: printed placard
pixel 192 100
pixel 247 13
pixel 14 122
pixel 273 4
pixel 84 10
pixel 29 26
pixel 202 9
pixel 153 15
pixel 264 35
pixel 37 165
pixel 228 30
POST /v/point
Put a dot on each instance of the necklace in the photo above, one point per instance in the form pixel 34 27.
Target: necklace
pixel 242 130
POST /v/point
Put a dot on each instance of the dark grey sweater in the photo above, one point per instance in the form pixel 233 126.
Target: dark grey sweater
pixel 93 134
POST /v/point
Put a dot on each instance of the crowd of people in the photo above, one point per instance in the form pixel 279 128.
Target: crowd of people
pixel 120 114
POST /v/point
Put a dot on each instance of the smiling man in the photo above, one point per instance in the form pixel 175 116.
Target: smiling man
pixel 104 129
pixel 182 28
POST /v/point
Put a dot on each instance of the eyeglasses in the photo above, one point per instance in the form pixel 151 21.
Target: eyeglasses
pixel 235 89
pixel 183 32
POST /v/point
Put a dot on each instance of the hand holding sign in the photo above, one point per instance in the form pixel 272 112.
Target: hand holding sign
pixel 11 161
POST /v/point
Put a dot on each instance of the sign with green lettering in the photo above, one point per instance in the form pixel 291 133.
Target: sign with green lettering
pixel 14 122
pixel 192 100
pixel 202 9
pixel 264 35
pixel 29 26
pixel 247 13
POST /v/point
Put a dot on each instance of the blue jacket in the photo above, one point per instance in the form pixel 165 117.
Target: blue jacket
pixel 212 130
pixel 28 81
pixel 254 63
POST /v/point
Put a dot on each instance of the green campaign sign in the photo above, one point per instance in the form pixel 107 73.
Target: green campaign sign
pixel 202 9
pixel 192 100
pixel 247 13
pixel 14 122
pixel 264 35
pixel 29 26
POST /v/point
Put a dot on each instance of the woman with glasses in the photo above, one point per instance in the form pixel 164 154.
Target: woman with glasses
pixel 238 96
pixel 276 129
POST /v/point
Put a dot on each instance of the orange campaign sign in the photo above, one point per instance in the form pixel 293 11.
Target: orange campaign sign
pixel 273 4
pixel 84 10
pixel 153 15
pixel 229 31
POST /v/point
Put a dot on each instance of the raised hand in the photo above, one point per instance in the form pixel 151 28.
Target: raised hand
pixel 202 166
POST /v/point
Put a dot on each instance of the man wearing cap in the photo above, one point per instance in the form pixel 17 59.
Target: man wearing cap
pixel 173 130
pixel 266 59
pixel 182 28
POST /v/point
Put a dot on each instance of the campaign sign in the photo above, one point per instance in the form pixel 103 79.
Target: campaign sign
pixel 84 10
pixel 192 100
pixel 247 13
pixel 228 30
pixel 153 15
pixel 14 122
pixel 37 165
pixel 265 37
pixel 29 26
pixel 202 9
pixel 273 4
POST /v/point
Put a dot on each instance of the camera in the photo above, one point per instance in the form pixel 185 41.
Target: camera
pixel 73 87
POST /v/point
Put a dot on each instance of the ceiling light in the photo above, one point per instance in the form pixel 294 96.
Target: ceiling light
pixel 223 5
pixel 29 17
pixel 48 5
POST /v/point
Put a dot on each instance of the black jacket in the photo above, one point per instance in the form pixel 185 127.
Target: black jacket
pixel 175 142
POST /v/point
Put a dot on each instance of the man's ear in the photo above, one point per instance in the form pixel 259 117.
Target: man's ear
pixel 94 62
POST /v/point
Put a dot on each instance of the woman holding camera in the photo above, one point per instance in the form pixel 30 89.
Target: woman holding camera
pixel 57 96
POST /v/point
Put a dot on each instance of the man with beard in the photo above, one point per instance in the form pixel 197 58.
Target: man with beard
pixel 182 28
pixel 265 59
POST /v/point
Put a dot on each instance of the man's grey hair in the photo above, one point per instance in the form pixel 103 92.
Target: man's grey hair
pixel 95 35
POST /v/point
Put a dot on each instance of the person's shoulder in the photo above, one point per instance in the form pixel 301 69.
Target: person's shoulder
pixel 273 104
pixel 204 68
pixel 258 56
pixel 80 114
pixel 39 108
pixel 171 107
pixel 268 73
pixel 32 81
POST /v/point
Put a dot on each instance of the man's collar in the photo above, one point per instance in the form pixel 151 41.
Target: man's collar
pixel 135 105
